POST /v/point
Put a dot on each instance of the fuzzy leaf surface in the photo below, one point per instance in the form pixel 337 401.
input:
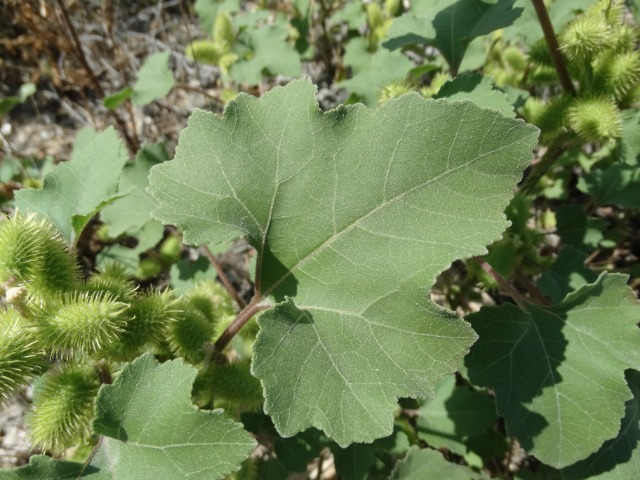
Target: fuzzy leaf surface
pixel 353 217
pixel 75 190
pixel 151 429
pixel 558 372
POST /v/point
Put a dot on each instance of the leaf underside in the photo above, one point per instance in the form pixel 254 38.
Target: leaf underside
pixel 353 212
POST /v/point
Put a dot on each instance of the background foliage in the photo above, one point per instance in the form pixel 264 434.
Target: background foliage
pixel 486 154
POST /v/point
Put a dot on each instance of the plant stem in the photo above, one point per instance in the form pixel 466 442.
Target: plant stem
pixel 223 277
pixel 557 148
pixel 327 51
pixel 532 288
pixel 185 20
pixel 554 48
pixel 104 372
pixel 132 143
pixel 243 317
pixel 505 286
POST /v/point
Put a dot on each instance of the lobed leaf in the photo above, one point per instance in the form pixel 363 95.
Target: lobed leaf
pixel 558 372
pixel 353 218
pixel 618 459
pixel 75 190
pixel 152 430
pixel 450 25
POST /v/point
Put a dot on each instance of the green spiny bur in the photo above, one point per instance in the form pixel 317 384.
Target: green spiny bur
pixel 21 358
pixel 585 37
pixel 63 407
pixel 189 332
pixel 79 322
pixel 595 118
pixel 616 74
pixel 150 317
pixel 211 299
pixel 20 248
pixel 235 388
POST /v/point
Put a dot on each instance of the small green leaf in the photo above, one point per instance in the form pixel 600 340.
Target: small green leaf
pixel 115 100
pixel 420 464
pixel 131 212
pixel 355 461
pixel 148 237
pixel 566 274
pixel 558 372
pixel 78 188
pixel 353 219
pixel 155 79
pixel 480 90
pixel 271 54
pixel 372 71
pixel 618 184
pixel 451 25
pixel 152 430
pixel 42 467
pixel 578 230
pixel 453 415
pixel 184 273
pixel 8 103
pixel 208 10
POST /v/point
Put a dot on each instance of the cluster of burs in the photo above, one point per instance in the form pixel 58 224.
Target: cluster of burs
pixel 600 49
pixel 66 335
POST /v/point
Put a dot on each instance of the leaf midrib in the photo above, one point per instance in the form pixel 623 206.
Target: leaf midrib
pixel 385 203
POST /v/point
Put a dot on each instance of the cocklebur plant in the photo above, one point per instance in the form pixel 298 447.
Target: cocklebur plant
pixel 70 335
pixel 600 46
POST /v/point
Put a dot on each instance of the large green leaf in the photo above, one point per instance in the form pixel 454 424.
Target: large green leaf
pixel 151 429
pixel 353 213
pixel 618 459
pixel 451 25
pixel 75 190
pixel 558 372
pixel 425 463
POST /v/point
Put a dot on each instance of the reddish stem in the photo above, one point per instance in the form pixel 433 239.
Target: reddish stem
pixel 554 48
pixel 243 317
